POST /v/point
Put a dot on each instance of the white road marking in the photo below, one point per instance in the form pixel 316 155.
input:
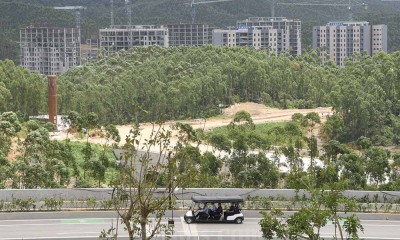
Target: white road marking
pixel 77 233
pixel 54 224
pixel 61 237
pixel 193 229
pixel 362 237
pixel 61 219
pixel 186 228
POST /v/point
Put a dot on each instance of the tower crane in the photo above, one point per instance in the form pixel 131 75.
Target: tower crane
pixel 77 13
pixel 128 12
pixel 112 13
pixel 348 5
pixel 273 5
pixel 193 6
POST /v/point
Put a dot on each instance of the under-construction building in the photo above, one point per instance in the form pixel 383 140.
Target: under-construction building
pixel 49 50
pixel 278 35
pixel 339 40
pixel 89 51
pixel 182 34
pixel 124 37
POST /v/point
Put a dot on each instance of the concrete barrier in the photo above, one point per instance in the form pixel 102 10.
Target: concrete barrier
pixel 186 194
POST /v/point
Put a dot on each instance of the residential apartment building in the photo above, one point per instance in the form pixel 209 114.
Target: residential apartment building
pixel 379 39
pixel 182 34
pixel 279 35
pixel 49 50
pixel 125 37
pixel 341 39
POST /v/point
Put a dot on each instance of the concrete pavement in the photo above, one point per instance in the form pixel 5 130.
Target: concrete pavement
pixel 88 225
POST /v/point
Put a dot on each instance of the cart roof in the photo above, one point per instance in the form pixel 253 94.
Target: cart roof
pixel 217 199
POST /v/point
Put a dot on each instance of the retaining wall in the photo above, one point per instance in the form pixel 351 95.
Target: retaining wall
pixel 186 194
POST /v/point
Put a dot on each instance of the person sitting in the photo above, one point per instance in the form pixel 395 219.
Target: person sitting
pixel 213 210
pixel 230 211
pixel 219 209
pixel 236 209
pixel 218 212
pixel 203 213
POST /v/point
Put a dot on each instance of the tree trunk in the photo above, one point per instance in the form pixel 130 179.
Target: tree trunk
pixel 143 228
pixel 340 227
pixel 128 227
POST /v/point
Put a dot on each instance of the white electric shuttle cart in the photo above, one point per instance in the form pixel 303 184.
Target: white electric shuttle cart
pixel 201 209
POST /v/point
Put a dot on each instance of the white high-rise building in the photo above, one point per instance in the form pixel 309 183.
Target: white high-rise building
pixel 341 39
pixel 275 34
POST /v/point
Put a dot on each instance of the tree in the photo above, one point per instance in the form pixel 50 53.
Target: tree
pixel 333 149
pixel 242 119
pixel 74 121
pixel 334 127
pixel 220 142
pixel 377 164
pixel 306 223
pixel 210 164
pixel 9 127
pixel 352 169
pixel 364 143
pixel 310 120
pixel 90 121
pixel 140 186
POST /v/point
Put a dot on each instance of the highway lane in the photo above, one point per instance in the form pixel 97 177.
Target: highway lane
pixel 90 228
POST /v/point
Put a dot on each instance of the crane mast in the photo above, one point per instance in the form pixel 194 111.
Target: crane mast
pixel 77 13
pixel 193 7
pixel 112 13
pixel 128 12
pixel 349 5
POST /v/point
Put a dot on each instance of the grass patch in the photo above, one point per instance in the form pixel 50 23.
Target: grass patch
pixel 277 133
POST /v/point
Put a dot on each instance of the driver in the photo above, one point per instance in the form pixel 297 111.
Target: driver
pixel 230 212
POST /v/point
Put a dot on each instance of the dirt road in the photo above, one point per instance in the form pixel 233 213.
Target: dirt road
pixel 259 113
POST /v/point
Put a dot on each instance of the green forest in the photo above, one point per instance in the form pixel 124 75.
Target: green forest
pixel 184 82
pixel 151 84
pixel 155 84
pixel 15 14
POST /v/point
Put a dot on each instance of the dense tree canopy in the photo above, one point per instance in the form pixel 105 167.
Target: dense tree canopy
pixel 175 83
pixel 20 90
pixel 184 82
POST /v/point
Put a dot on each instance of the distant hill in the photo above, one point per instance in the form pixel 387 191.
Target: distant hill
pixel 17 13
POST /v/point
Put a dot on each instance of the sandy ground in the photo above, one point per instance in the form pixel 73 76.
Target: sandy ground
pixel 259 113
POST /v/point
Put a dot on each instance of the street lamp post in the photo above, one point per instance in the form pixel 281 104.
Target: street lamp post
pixel 171 221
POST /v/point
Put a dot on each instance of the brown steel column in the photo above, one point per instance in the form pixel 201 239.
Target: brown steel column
pixel 52 100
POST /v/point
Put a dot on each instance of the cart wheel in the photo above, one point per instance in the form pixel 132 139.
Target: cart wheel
pixel 188 220
pixel 238 220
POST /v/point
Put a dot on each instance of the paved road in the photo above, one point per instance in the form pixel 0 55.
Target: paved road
pixel 81 225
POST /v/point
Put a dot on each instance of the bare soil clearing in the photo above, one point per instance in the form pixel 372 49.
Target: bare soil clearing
pixel 259 112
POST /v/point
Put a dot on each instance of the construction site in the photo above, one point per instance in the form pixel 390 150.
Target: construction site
pixel 54 50
pixel 50 50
